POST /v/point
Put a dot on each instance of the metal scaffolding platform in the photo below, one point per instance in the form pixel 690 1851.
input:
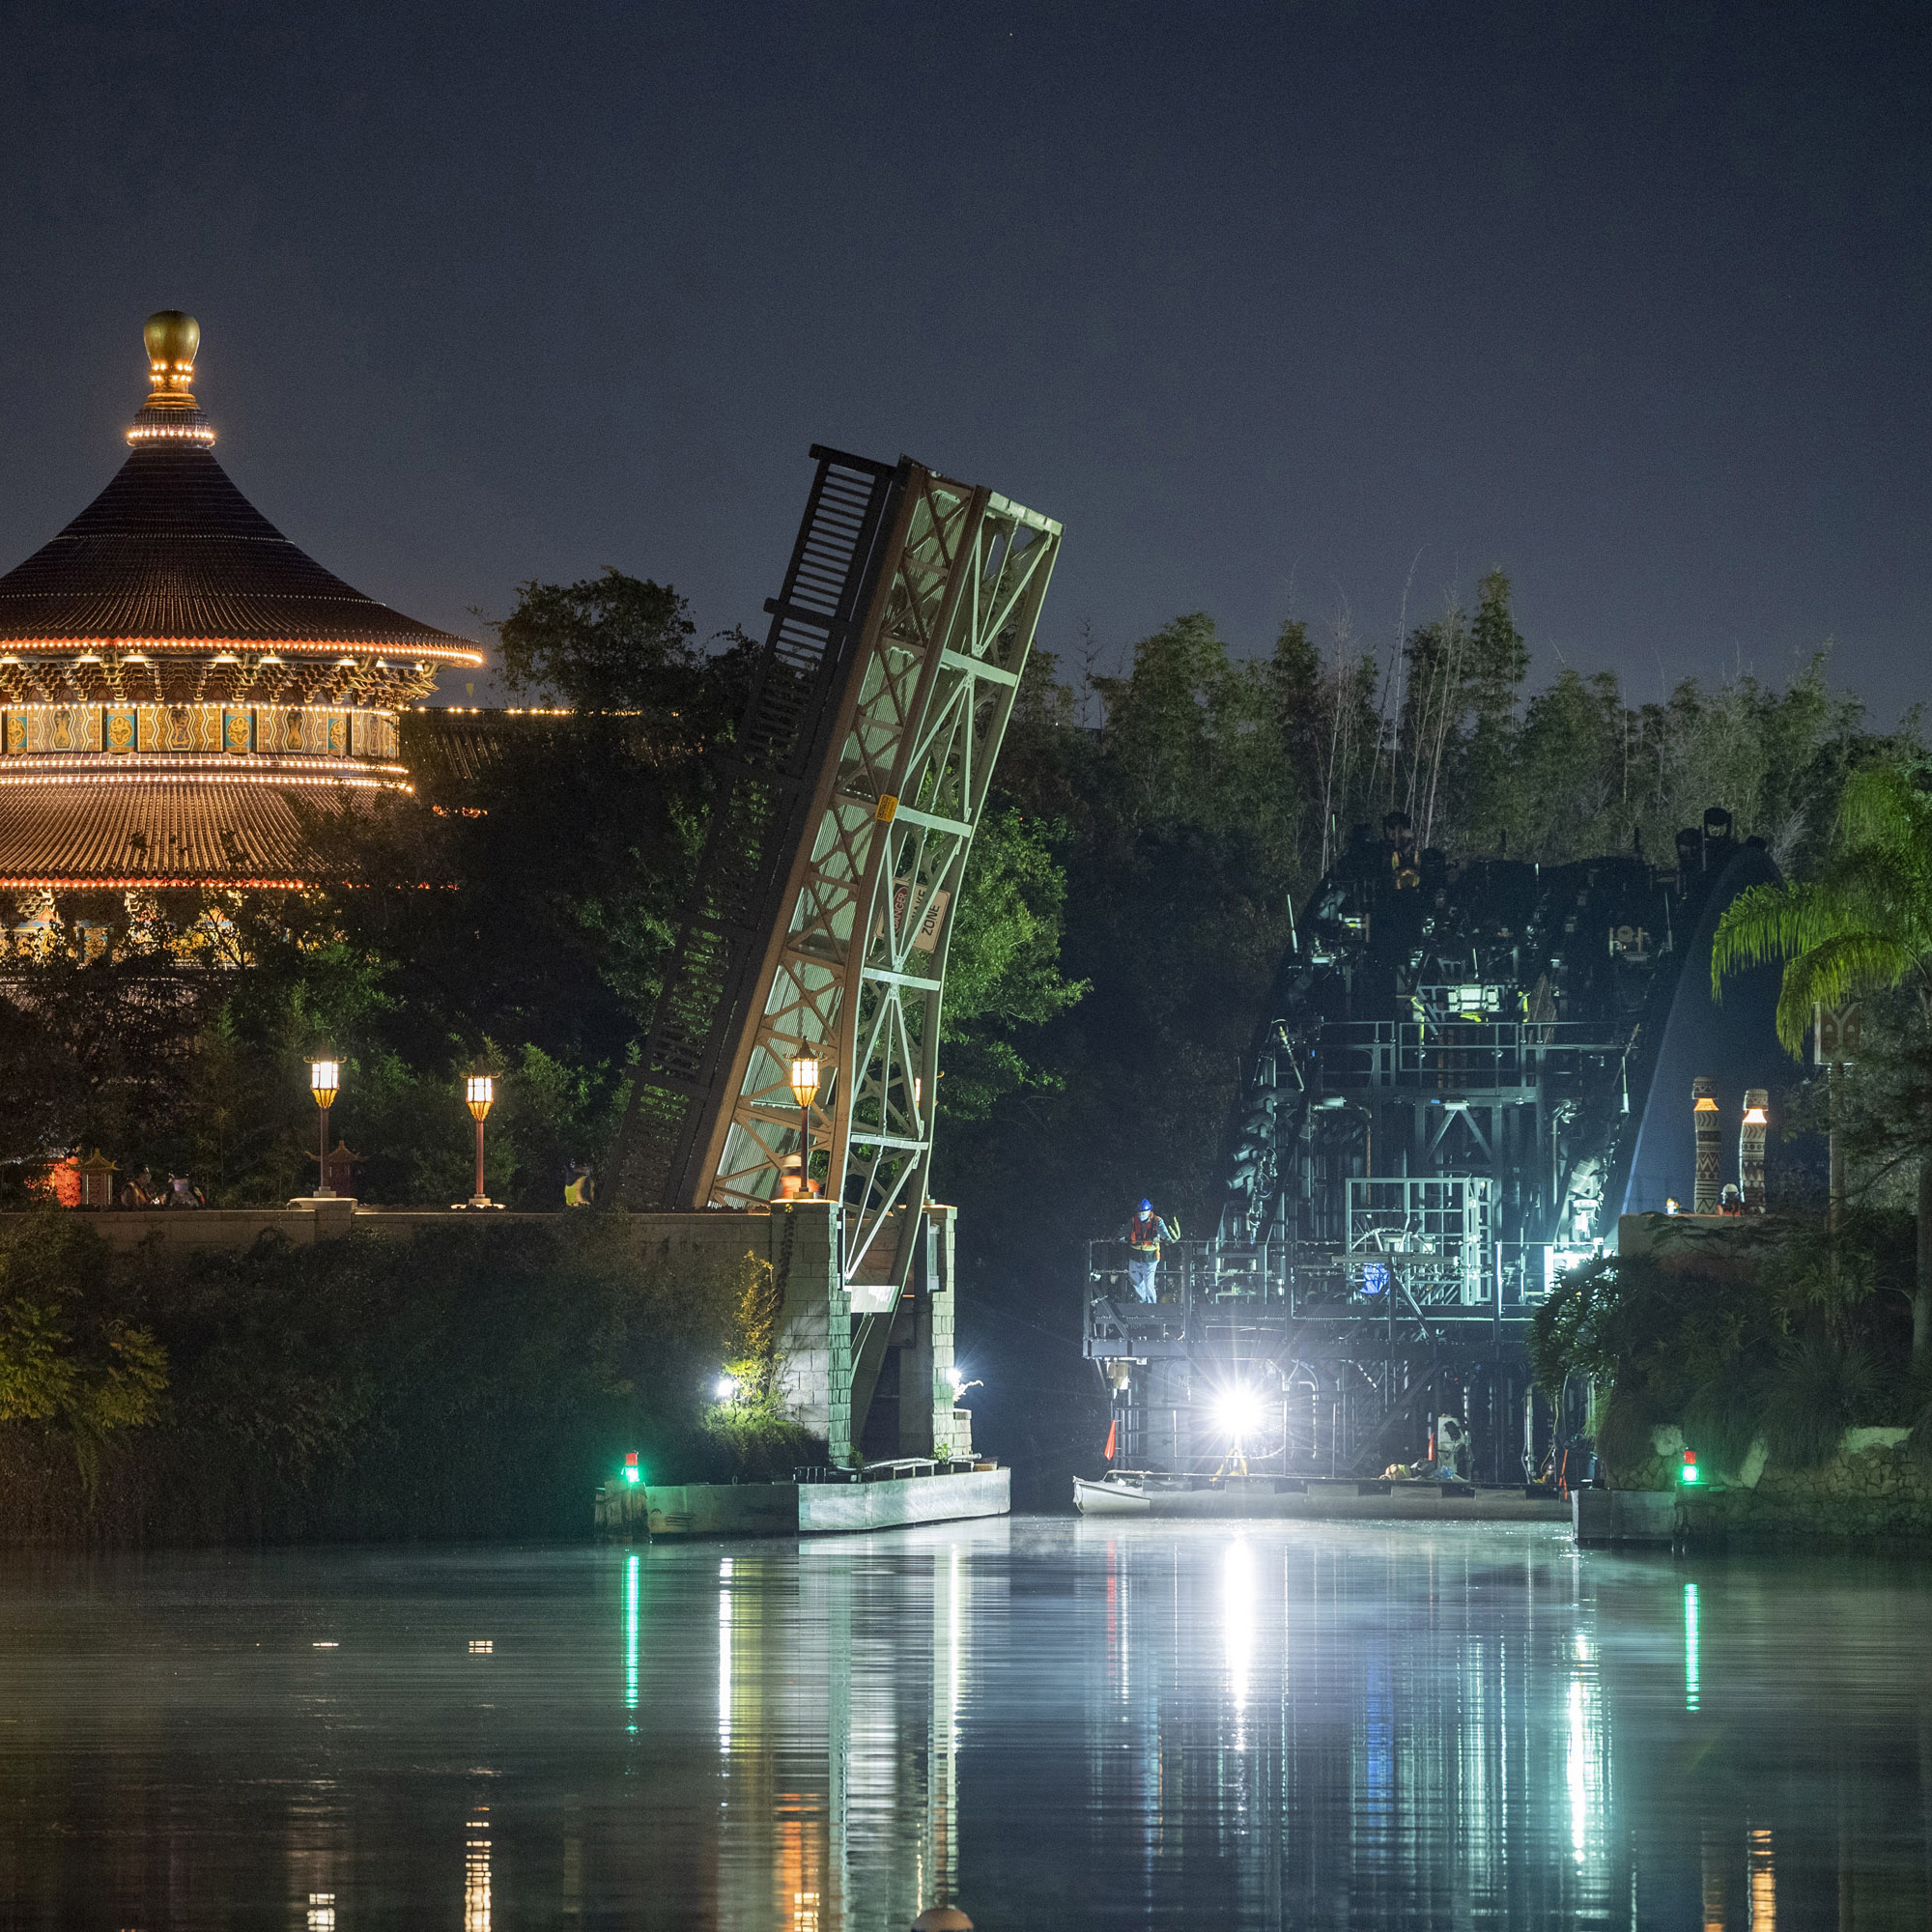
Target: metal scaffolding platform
pixel 1435 1121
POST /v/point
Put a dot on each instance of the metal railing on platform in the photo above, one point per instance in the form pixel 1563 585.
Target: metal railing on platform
pixel 1462 1056
pixel 1204 1286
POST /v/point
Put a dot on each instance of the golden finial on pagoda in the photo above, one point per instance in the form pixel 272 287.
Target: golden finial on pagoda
pixel 172 340
pixel 171 415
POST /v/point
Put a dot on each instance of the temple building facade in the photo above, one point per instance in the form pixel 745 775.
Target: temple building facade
pixel 175 675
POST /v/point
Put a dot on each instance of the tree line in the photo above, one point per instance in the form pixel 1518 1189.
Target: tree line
pixel 1130 892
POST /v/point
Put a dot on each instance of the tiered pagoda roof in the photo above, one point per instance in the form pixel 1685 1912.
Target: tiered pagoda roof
pixel 173 670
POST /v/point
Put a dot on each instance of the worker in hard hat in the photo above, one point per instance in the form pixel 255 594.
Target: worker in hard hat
pixel 1144 1234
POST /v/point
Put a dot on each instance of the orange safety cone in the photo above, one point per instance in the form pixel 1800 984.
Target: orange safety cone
pixel 1113 1437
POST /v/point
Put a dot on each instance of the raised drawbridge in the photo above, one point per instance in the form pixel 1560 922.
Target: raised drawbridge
pixel 840 823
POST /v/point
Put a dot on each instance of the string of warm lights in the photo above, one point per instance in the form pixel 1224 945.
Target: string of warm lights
pixel 155 764
pixel 277 780
pixel 422 655
pixel 133 880
pixel 321 710
pixel 152 432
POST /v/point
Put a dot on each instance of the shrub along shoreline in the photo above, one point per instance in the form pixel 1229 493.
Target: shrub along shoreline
pixel 1779 1357
pixel 477 1381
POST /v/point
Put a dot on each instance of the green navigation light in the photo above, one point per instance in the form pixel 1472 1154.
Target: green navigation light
pixel 631 1473
pixel 1690 1473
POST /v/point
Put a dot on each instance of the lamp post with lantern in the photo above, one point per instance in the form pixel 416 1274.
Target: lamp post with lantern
pixel 324 1082
pixel 805 1091
pixel 479 1092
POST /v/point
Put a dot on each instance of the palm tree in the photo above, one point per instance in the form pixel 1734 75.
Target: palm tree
pixel 1863 926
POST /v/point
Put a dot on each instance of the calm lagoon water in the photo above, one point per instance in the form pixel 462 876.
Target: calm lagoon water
pixel 1051 1723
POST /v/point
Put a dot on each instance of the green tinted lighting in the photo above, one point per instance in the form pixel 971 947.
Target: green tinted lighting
pixel 631 1473
pixel 1690 1472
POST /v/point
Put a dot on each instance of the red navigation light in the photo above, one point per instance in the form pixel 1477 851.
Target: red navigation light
pixel 1690 1472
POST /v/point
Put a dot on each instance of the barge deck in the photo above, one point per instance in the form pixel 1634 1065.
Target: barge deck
pixel 1132 1493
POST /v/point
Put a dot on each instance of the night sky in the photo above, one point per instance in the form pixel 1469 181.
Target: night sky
pixel 1278 308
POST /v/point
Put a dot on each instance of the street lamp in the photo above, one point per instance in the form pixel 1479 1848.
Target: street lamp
pixel 805 1091
pixel 479 1091
pixel 324 1082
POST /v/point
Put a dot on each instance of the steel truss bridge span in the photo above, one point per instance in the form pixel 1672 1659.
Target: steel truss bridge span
pixel 840 823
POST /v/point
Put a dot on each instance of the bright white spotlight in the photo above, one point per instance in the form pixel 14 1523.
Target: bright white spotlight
pixel 1239 1410
pixel 727 1387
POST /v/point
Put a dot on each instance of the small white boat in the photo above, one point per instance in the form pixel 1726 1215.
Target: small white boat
pixel 1119 1492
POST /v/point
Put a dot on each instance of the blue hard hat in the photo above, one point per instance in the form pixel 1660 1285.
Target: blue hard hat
pixel 1146 1207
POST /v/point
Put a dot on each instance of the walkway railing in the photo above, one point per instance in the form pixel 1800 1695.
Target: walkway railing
pixel 1204 1285
pixel 1465 1056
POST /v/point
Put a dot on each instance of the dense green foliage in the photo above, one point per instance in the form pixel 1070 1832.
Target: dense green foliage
pixel 610 643
pixel 470 1381
pixel 1784 1339
pixel 74 1355
pixel 1194 799
pixel 1861 924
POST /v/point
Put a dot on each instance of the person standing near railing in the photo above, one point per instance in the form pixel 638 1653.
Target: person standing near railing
pixel 1145 1234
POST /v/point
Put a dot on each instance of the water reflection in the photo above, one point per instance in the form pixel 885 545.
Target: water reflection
pixel 1237 1620
pixel 1053 1723
pixel 1763 1881
pixel 477 1872
pixel 1691 1690
pixel 633 1566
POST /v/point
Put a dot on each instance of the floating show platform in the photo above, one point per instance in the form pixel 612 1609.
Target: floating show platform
pixel 887 1495
pixel 1131 1492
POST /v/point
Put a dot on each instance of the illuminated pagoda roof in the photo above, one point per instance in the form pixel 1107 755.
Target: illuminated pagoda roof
pixel 150 835
pixel 172 668
pixel 171 552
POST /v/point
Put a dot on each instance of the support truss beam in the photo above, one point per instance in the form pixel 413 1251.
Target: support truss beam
pixel 824 906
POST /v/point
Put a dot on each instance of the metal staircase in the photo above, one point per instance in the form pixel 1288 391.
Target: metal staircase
pixel 759 811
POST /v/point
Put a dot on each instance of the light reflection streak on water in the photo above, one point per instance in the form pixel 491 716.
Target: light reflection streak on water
pixel 955 1649
pixel 1237 1622
pixel 631 1590
pixel 1763 1880
pixel 1116 1624
pixel 1690 1647
pixel 943 1769
pixel 724 1656
pixel 1583 1751
pixel 477 1873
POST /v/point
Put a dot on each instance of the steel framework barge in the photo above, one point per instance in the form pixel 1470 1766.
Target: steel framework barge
pixel 1464 1081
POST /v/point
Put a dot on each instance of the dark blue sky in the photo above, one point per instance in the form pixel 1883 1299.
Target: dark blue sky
pixel 1260 301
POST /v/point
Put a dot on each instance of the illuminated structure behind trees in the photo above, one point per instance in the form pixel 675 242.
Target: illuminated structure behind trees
pixel 1465 1082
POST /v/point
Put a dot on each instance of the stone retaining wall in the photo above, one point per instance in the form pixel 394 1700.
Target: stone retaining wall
pixel 801 1240
pixel 1873 1486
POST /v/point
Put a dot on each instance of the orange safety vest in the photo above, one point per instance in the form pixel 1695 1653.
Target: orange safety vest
pixel 1144 1234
